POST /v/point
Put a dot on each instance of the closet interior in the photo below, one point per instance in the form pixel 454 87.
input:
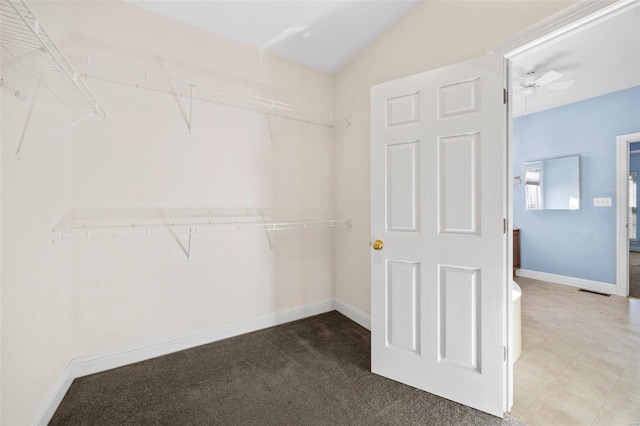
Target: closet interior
pixel 158 180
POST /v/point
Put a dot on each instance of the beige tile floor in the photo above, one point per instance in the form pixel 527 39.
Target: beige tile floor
pixel 580 362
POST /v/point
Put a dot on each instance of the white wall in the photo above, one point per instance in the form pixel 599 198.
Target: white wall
pixel 36 274
pixel 74 298
pixel 434 34
pixel 144 157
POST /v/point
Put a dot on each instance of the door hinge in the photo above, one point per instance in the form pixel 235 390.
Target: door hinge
pixel 505 96
pixel 504 226
pixel 504 353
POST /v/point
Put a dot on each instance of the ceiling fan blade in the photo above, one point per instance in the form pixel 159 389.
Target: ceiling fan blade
pixel 560 85
pixel 547 78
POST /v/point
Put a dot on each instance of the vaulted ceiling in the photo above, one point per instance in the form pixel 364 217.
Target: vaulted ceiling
pixel 324 35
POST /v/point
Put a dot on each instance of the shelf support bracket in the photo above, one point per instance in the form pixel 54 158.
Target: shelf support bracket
pixel 266 232
pixel 53 135
pixel 26 126
pixel 71 125
pixel 191 109
pixel 188 251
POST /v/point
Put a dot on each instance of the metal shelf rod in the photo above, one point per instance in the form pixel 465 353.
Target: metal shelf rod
pixel 126 75
pixel 133 229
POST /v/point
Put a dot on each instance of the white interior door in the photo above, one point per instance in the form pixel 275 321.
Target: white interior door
pixel 438 203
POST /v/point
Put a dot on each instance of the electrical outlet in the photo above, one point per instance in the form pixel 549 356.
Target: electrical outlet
pixel 602 202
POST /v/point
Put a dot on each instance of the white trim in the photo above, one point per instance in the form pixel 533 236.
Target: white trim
pixel 55 397
pixel 92 364
pixel 354 314
pixel 96 363
pixel 634 249
pixel 622 207
pixel 508 303
pixel 622 213
pixel 600 287
pixel 577 16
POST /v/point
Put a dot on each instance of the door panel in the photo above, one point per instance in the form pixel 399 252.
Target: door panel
pixel 459 320
pixel 403 182
pixel 403 306
pixel 457 184
pixel 403 110
pixel 438 199
pixel 462 97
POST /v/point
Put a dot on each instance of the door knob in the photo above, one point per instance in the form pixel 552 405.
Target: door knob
pixel 377 245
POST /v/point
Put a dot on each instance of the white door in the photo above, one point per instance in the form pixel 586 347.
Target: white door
pixel 438 202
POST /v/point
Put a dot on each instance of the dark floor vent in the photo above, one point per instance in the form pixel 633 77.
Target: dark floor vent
pixel 595 292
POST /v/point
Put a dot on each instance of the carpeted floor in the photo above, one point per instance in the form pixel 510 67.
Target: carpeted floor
pixel 309 372
pixel 634 274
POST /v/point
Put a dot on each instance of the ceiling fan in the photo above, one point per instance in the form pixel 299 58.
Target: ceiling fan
pixel 532 84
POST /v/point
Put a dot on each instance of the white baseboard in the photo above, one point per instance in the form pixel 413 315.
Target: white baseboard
pixel 96 363
pixel 92 364
pixel 353 314
pixel 55 397
pixel 598 286
pixel 635 249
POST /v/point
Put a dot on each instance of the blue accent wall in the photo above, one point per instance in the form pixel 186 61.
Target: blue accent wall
pixel 575 243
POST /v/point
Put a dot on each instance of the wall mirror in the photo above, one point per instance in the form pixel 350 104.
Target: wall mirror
pixel 553 184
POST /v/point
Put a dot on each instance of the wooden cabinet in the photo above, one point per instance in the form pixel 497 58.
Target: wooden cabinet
pixel 516 250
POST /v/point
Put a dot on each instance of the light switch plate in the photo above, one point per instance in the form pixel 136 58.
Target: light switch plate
pixel 602 202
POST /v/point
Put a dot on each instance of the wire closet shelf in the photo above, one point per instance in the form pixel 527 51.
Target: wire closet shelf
pixel 83 225
pixel 32 65
pixel 139 78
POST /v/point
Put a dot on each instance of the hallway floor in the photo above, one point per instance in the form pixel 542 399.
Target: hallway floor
pixel 580 362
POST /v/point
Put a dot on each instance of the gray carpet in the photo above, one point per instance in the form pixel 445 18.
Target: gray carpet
pixel 634 274
pixel 309 372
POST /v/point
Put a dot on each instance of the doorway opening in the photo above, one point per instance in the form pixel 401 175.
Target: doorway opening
pixel 565 104
pixel 562 340
pixel 628 247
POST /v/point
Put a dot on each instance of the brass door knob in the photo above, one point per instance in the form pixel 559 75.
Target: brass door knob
pixel 377 245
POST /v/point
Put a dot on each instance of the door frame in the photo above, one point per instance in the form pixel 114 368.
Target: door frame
pixel 622 206
pixel 579 16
